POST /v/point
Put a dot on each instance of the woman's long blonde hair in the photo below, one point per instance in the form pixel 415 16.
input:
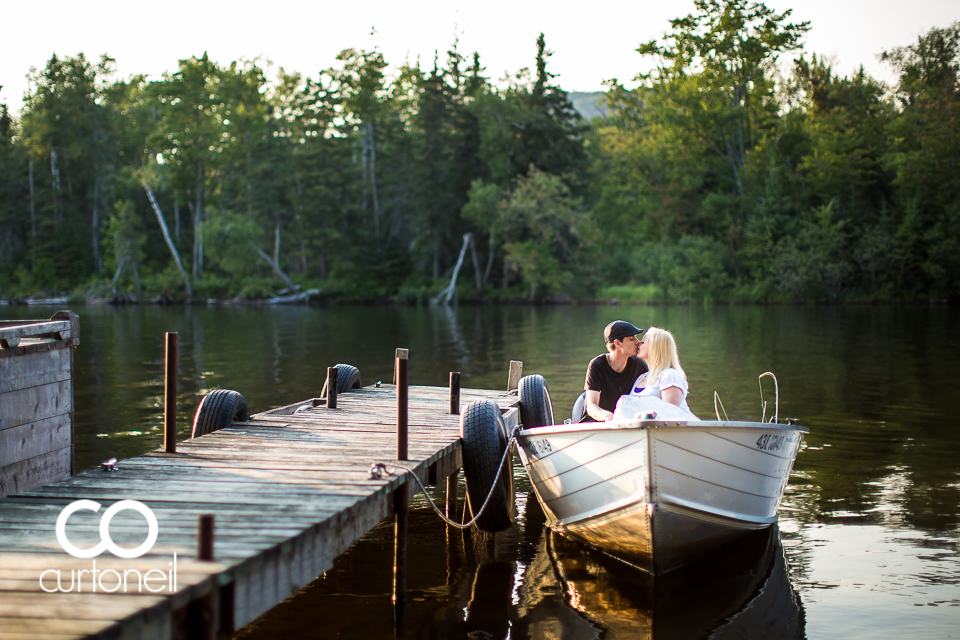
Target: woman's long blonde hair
pixel 661 354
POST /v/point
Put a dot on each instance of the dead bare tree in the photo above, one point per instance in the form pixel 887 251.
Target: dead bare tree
pixel 447 294
pixel 276 268
pixel 166 236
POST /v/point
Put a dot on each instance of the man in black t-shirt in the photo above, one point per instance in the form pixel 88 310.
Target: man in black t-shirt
pixel 612 374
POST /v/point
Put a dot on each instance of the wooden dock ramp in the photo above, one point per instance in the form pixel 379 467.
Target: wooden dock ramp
pixel 290 490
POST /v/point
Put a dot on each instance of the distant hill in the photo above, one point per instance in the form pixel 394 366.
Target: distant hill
pixel 589 104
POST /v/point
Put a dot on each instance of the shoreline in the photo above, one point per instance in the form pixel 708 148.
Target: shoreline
pixel 30 301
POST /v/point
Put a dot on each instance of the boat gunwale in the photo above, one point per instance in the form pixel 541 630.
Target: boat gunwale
pixel 659 424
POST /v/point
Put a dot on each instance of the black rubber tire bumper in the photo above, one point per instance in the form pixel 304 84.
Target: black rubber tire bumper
pixel 348 377
pixel 536 408
pixel 220 408
pixel 485 440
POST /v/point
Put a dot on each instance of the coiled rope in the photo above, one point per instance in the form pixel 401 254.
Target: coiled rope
pixel 379 468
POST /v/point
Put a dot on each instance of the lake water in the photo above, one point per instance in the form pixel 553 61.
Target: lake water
pixel 869 535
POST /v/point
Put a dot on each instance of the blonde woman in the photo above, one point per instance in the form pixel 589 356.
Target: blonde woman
pixel 665 379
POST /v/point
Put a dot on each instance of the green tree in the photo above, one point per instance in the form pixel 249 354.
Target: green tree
pixel 15 230
pixel 482 210
pixel 551 136
pixel 925 155
pixel 315 164
pixel 65 127
pixel 815 262
pixel 537 225
pixel 715 76
pixel 442 173
pixel 846 121
pixel 693 269
pixel 541 222
pixel 124 242
pixel 229 238
pixel 189 135
pixel 363 98
pixel 529 123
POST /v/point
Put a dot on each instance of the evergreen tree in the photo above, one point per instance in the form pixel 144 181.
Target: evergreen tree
pixel 64 122
pixel 925 156
pixel 189 136
pixel 15 230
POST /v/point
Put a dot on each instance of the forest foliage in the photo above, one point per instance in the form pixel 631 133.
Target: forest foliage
pixel 740 168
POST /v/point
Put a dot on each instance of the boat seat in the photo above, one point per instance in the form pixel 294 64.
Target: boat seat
pixel 578 408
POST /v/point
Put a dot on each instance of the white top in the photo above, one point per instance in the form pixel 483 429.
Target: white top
pixel 630 408
pixel 668 378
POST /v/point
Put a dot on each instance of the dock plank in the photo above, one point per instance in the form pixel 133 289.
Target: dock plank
pixel 62 628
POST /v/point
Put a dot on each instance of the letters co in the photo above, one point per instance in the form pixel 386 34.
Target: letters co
pixel 106 542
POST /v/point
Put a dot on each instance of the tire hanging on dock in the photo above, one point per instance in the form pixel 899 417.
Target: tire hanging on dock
pixel 485 441
pixel 536 408
pixel 348 377
pixel 220 408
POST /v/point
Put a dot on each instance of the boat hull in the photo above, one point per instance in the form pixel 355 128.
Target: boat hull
pixel 659 494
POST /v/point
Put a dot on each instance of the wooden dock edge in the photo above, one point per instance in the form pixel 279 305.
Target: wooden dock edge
pixel 223 597
pixel 264 581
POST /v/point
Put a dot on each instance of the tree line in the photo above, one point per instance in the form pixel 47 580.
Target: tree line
pixel 739 168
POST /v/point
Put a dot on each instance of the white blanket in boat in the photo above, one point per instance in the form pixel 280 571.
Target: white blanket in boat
pixel 649 408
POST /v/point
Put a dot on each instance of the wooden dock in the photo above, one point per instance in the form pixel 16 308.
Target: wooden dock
pixel 290 490
pixel 36 401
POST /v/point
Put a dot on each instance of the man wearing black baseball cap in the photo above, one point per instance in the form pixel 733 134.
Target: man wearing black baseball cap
pixel 612 374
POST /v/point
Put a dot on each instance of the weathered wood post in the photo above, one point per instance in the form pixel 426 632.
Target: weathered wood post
pixel 401 507
pixel 205 537
pixel 199 618
pixel 401 353
pixel 402 368
pixel 451 507
pixel 455 392
pixel 331 387
pixel 401 497
pixel 170 394
pixel 516 372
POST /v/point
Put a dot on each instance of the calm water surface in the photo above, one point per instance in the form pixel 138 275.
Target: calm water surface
pixel 869 537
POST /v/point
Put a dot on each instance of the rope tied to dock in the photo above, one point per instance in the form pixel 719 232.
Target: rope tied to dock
pixel 379 469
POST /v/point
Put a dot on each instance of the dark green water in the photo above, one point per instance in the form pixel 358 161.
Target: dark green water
pixel 870 525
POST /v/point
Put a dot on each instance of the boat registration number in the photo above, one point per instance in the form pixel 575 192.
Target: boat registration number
pixel 539 446
pixel 771 442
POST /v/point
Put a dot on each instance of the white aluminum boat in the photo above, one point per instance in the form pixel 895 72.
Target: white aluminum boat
pixel 662 489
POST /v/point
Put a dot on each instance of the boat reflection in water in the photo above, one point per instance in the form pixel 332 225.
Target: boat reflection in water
pixel 530 582
pixel 569 590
